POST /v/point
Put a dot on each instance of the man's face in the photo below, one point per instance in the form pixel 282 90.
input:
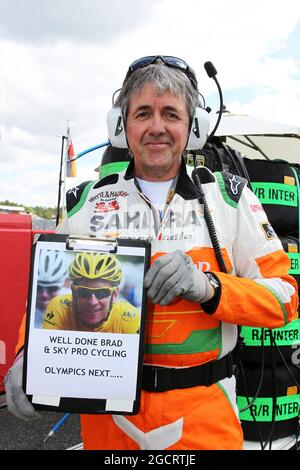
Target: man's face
pixel 44 295
pixel 157 131
pixel 91 307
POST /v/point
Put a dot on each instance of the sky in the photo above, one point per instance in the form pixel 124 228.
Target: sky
pixel 62 60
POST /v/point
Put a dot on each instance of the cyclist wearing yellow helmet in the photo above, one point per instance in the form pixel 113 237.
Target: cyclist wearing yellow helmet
pixel 93 304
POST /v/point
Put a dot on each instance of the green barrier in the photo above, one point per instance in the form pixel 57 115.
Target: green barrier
pixel 287 407
pixel 275 193
pixel 285 336
pixel 295 263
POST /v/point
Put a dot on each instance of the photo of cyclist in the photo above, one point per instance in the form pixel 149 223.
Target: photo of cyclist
pixel 94 303
pixel 52 272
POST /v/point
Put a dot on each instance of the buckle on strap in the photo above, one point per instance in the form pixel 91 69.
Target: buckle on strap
pixel 158 379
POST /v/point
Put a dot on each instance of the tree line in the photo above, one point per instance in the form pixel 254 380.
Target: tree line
pixel 40 211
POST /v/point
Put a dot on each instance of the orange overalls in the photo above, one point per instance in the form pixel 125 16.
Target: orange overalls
pixel 257 292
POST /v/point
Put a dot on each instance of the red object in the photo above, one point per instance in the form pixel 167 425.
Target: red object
pixel 71 165
pixel 107 206
pixel 16 236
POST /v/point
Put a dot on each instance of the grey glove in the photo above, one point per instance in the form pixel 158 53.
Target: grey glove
pixel 174 275
pixel 16 400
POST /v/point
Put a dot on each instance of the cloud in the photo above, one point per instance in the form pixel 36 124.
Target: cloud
pixel 277 94
pixel 62 60
pixel 81 21
pixel 40 189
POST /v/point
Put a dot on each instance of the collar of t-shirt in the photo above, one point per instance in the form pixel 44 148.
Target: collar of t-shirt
pixel 156 192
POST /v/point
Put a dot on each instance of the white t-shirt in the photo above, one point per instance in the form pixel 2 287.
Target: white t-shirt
pixel 156 191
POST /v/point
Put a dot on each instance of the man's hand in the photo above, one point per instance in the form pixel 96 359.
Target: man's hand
pixel 16 400
pixel 174 275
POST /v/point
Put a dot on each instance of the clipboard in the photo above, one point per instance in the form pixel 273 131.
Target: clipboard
pixel 86 354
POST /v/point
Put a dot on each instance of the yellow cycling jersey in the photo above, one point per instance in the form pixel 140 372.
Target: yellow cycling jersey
pixel 59 315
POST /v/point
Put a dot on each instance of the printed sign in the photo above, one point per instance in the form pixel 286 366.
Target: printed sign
pixel 85 325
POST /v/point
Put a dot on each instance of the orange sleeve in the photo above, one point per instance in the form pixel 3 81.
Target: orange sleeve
pixel 21 339
pixel 260 302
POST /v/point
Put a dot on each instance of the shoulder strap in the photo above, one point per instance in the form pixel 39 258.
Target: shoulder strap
pixel 238 162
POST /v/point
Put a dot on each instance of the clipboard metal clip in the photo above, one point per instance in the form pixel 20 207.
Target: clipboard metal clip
pixel 78 243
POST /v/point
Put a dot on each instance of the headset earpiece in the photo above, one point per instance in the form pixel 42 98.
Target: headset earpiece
pixel 197 138
pixel 199 130
pixel 116 128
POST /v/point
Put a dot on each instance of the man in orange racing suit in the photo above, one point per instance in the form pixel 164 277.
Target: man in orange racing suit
pixel 188 399
pixel 93 304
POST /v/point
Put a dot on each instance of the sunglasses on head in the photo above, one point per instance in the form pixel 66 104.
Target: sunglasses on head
pixel 168 60
pixel 99 292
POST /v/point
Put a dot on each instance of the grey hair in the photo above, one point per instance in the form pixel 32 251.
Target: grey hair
pixel 164 79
